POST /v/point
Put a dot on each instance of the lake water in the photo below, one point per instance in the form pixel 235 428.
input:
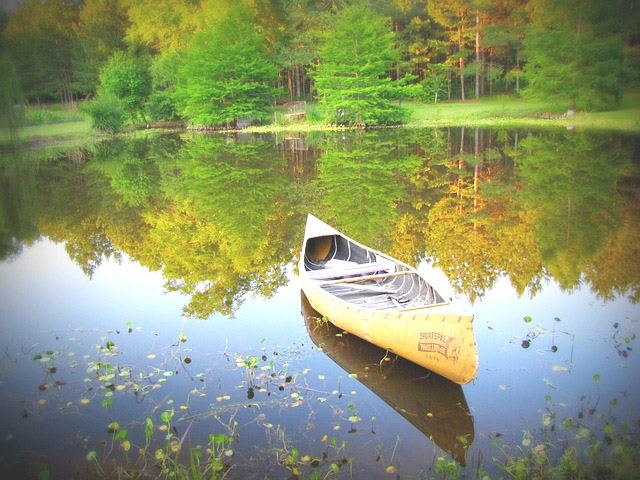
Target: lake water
pixel 149 300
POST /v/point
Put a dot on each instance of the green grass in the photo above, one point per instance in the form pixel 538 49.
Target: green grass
pixel 50 114
pixel 66 129
pixel 506 111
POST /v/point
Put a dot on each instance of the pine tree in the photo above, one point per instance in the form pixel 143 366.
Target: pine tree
pixel 352 76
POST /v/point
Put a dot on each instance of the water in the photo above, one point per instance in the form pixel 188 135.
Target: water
pixel 155 275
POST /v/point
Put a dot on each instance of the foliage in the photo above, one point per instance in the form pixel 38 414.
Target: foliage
pixel 351 76
pixel 434 88
pixel 163 26
pixel 578 59
pixel 162 102
pixel 39 38
pixel 106 112
pixel 99 31
pixel 127 77
pixel 226 73
pixel 11 111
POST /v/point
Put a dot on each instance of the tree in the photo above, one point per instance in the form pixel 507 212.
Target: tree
pixel 99 31
pixel 10 100
pixel 352 76
pixel 575 52
pixel 455 17
pixel 39 38
pixel 226 72
pixel 127 77
pixel 163 25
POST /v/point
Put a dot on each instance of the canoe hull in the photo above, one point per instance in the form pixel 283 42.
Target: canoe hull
pixel 444 344
pixel 433 404
pixel 439 337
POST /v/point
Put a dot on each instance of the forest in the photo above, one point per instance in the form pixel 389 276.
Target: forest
pixel 214 62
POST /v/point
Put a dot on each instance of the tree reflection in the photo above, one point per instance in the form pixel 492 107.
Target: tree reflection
pixel 570 183
pixel 222 216
pixel 17 204
pixel 361 178
pixel 228 231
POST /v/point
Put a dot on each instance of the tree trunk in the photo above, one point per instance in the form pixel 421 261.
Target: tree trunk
pixel 290 84
pixel 297 83
pixel 518 76
pixel 461 16
pixel 397 63
pixel 304 83
pixel 476 153
pixel 477 56
pixel 460 167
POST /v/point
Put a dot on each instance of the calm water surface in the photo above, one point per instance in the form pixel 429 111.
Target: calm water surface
pixel 148 295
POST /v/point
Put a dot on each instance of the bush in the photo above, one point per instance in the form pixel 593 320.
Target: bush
pixel 106 112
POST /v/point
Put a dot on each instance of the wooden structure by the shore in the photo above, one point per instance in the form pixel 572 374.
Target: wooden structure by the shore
pixel 295 110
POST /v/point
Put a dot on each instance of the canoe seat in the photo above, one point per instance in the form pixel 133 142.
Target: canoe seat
pixel 347 269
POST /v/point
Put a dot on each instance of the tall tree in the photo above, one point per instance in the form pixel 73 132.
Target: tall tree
pixel 39 37
pixel 164 25
pixel 455 16
pixel 354 61
pixel 226 72
pixel 502 38
pixel 99 31
pixel 10 100
pixel 575 51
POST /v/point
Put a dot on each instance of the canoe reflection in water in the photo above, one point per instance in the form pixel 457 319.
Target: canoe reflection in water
pixel 431 403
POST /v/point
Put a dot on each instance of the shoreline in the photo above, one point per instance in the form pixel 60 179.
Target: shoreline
pixel 494 112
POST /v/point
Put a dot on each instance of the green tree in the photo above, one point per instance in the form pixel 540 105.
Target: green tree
pixel 11 111
pixel 352 76
pixel 226 72
pixel 126 76
pixel 39 38
pixel 459 22
pixel 575 52
pixel 106 113
pixel 99 31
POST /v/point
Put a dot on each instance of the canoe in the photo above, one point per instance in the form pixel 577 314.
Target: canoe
pixel 386 302
pixel 434 405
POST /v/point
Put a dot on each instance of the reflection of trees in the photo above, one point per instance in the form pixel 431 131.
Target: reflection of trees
pixel 555 214
pixel 478 231
pixel 423 188
pixel 76 208
pixel 228 232
pixel 570 183
pixel 361 178
pixel 222 217
pixel 17 204
pixel 616 267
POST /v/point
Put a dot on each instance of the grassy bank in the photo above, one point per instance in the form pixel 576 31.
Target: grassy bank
pixel 48 126
pixel 502 112
pixel 505 111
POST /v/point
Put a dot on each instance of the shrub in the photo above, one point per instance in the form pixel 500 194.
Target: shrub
pixel 106 112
